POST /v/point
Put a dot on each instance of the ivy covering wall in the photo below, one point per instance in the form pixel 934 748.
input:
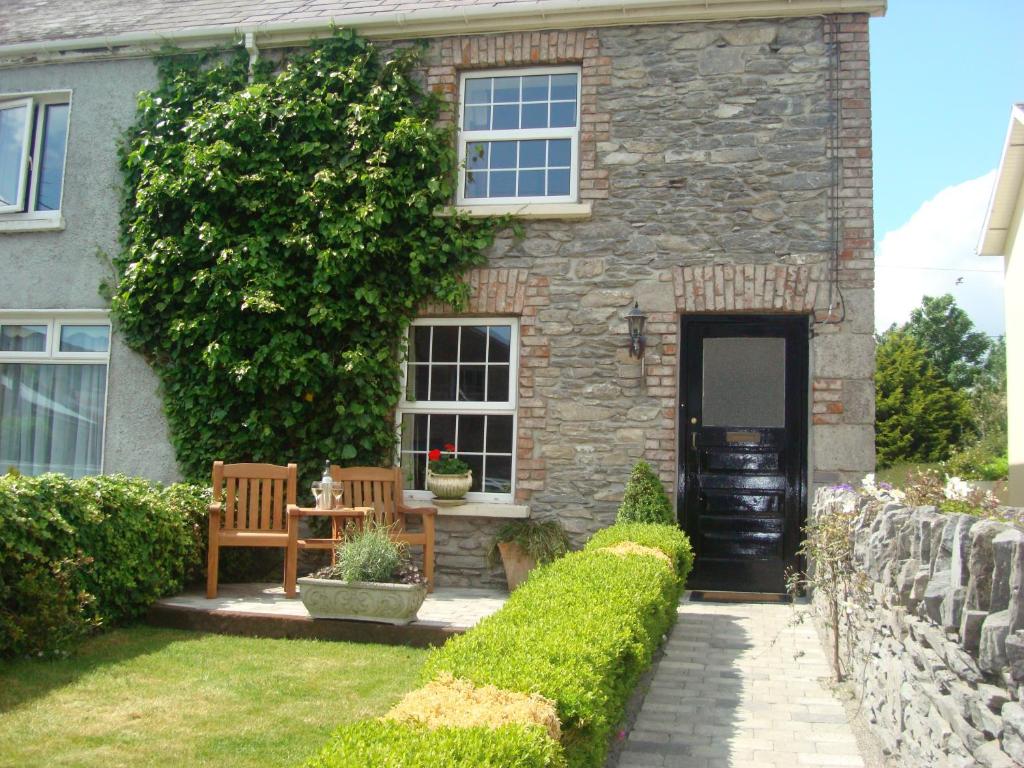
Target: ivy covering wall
pixel 279 231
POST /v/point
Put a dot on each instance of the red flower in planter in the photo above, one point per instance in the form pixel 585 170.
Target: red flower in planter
pixel 445 462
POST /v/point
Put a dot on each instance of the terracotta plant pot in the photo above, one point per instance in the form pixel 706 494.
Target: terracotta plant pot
pixel 362 600
pixel 449 486
pixel 517 562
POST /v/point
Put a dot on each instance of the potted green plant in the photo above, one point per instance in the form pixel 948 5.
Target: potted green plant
pixel 524 544
pixel 449 478
pixel 371 580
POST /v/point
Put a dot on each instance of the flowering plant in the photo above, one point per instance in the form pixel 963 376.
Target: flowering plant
pixel 879 491
pixel 446 463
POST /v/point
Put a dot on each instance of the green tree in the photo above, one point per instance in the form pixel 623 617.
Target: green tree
pixel 988 398
pixel 278 236
pixel 947 335
pixel 918 415
pixel 645 500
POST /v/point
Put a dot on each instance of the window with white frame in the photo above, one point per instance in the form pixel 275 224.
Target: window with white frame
pixel 53 391
pixel 33 140
pixel 460 389
pixel 519 136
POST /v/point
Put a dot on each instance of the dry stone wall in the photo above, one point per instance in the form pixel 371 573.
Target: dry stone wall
pixel 938 653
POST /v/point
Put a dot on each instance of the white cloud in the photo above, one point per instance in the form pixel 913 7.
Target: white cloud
pixel 942 233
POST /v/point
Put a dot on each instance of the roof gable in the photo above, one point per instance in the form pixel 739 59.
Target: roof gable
pixel 60 26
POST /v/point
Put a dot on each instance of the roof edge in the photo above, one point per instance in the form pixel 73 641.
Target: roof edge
pixel 1007 188
pixel 562 14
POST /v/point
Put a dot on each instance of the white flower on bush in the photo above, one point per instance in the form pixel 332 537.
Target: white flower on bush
pixel 957 489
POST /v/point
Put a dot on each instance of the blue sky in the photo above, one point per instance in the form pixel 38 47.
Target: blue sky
pixel 944 74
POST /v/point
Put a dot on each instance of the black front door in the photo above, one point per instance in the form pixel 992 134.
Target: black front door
pixel 743 403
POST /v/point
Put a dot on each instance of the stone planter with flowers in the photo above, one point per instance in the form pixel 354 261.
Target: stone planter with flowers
pixel 449 478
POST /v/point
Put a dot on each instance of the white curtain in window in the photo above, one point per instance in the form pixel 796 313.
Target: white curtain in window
pixel 51 417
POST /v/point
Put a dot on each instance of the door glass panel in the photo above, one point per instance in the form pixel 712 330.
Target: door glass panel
pixel 744 382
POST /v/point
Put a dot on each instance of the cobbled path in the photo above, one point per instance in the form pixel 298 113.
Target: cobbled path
pixel 740 685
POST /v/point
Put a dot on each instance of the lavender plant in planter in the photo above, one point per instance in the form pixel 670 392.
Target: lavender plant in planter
pixel 372 580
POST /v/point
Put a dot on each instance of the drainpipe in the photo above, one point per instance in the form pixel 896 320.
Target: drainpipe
pixel 254 52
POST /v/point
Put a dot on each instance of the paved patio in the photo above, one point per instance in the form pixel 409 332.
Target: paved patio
pixel 739 686
pixel 263 610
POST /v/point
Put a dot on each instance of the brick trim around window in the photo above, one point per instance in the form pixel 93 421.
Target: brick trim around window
pixel 515 292
pixel 452 55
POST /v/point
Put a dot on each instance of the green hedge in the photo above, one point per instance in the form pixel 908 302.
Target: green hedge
pixel 580 632
pixel 668 538
pixel 379 743
pixel 77 554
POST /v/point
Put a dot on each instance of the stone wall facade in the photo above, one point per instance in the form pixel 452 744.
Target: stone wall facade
pixel 938 653
pixel 728 166
pixel 734 156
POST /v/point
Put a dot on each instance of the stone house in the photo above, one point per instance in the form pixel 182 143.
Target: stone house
pixel 1002 235
pixel 704 161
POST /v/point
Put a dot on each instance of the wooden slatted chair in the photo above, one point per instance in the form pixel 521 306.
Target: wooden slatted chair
pixel 248 510
pixel 382 489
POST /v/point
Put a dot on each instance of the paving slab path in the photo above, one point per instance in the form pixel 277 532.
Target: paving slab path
pixel 740 685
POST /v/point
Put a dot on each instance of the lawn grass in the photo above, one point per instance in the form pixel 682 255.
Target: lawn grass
pixel 145 696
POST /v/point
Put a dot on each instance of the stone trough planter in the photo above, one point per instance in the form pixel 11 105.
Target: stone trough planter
pixel 361 600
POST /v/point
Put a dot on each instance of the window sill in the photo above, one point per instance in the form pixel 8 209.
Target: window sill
pixel 27 222
pixel 475 509
pixel 565 211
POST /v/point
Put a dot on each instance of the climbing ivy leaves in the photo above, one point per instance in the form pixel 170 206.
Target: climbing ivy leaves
pixel 279 231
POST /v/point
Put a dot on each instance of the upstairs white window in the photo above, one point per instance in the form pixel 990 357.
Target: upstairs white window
pixel 460 389
pixel 53 390
pixel 519 136
pixel 33 141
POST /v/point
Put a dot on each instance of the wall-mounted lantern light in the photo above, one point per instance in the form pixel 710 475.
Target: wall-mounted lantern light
pixel 636 319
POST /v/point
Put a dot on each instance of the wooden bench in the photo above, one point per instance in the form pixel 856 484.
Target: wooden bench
pixel 249 509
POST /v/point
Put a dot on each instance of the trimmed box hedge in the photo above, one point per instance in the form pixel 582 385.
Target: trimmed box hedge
pixel 78 554
pixel 386 743
pixel 668 538
pixel 580 632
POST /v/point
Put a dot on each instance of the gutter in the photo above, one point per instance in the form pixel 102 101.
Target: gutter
pixel 1006 191
pixel 432 22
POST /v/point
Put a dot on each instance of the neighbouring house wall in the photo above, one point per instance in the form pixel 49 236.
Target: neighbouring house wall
pixel 938 653
pixel 64 269
pixel 1013 288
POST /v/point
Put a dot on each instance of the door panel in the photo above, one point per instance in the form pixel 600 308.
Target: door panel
pixel 743 451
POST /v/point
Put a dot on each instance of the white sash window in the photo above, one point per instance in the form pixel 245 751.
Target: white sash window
pixel 519 136
pixel 460 389
pixel 53 390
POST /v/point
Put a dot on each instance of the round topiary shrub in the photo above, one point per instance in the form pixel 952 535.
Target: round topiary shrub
pixel 645 500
